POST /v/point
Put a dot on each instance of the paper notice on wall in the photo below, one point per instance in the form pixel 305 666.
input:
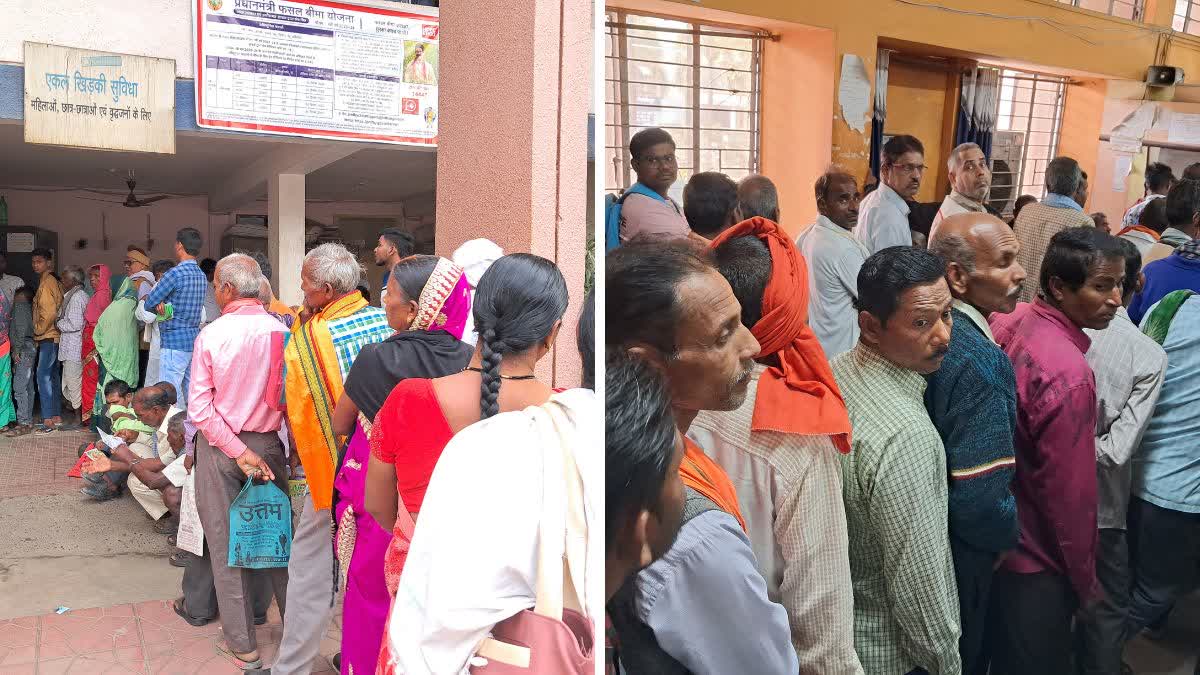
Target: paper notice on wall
pixel 191 533
pixel 1122 163
pixel 1125 144
pixel 1184 129
pixel 1137 122
pixel 854 92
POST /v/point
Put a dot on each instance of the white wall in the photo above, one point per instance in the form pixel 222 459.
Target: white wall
pixel 158 28
pixel 74 216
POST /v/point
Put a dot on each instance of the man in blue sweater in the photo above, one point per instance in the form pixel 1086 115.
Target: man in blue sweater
pixel 972 401
pixel 1179 271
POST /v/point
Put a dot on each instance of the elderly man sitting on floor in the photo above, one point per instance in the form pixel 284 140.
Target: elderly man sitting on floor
pixel 152 483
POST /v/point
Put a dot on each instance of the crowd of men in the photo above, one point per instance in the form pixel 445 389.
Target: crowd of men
pixel 871 444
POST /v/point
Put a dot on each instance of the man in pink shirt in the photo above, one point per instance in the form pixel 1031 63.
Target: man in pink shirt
pixel 235 402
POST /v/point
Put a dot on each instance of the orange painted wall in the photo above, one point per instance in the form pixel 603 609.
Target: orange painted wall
pixel 796 133
pixel 916 99
pixel 1083 111
pixel 1040 34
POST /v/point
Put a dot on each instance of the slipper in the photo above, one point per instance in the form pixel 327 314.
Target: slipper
pixel 171 541
pixel 179 559
pixel 19 430
pixel 242 664
pixel 98 493
pixel 182 612
pixel 42 430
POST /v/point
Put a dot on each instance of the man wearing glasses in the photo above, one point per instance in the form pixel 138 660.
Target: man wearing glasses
pixel 883 215
pixel 646 209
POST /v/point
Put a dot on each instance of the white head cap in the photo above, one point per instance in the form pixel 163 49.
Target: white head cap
pixel 475 257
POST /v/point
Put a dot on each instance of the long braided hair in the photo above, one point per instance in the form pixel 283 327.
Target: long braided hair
pixel 519 301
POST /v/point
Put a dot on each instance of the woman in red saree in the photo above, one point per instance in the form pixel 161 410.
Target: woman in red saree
pixel 518 310
pixel 100 300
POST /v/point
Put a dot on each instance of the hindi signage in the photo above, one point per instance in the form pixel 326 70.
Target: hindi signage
pixel 317 68
pixel 88 99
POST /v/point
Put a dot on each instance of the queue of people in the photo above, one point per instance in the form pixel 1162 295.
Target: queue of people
pixel 381 413
pixel 874 445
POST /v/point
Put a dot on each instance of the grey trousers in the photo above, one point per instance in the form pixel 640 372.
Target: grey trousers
pixel 23 387
pixel 1100 638
pixel 218 482
pixel 200 591
pixel 310 592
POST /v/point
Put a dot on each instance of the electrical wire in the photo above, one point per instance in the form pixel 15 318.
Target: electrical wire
pixel 1066 29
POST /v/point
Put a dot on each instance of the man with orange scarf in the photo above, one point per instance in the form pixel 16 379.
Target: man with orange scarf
pixel 781 447
pixel 703 607
pixel 336 323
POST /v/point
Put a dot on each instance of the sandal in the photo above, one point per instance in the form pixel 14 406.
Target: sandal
pixel 42 430
pixel 19 430
pixel 179 559
pixel 242 664
pixel 99 493
pixel 182 612
pixel 171 541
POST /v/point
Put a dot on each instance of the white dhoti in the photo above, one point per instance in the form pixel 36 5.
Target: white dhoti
pixel 150 499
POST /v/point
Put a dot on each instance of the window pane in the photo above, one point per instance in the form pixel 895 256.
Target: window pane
pixel 661 68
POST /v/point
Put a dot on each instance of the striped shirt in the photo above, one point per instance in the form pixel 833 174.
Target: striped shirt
pixel 894 484
pixel 789 489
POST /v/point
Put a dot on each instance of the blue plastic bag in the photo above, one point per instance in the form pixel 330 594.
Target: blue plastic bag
pixel 260 527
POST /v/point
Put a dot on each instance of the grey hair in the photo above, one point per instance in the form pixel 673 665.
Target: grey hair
pixel 175 423
pixel 265 294
pixel 1063 176
pixel 264 263
pixel 333 264
pixel 953 248
pixel 952 163
pixel 74 273
pixel 241 272
pixel 757 196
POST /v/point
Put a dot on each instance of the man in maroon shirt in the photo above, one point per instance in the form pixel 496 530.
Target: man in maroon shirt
pixel 1052 572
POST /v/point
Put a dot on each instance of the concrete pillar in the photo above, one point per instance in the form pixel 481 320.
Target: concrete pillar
pixel 512 145
pixel 285 239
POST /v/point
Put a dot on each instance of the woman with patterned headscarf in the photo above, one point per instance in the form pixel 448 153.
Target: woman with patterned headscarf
pixel 427 303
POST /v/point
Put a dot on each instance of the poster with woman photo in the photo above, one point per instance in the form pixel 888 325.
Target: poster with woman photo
pixel 420 62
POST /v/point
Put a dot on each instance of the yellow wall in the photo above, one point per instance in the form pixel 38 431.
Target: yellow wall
pixel 1083 111
pixel 916 99
pixel 1067 39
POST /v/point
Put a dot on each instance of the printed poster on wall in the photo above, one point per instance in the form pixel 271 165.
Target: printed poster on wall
pixel 88 99
pixel 317 68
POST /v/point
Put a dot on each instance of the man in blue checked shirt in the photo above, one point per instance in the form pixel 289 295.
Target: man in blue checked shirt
pixel 183 288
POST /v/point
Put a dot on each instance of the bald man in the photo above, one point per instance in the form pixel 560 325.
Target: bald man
pixel 972 400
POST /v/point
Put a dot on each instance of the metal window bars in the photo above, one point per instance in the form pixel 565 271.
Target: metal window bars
pixel 700 82
pixel 1029 111
pixel 1125 9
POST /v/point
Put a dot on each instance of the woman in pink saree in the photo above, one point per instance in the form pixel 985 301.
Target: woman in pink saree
pixel 427 302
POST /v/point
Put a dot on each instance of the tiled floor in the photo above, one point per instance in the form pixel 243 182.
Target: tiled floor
pixel 34 465
pixel 144 638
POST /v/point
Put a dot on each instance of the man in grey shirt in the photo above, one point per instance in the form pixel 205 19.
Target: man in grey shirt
pixel 1129 367
pixel 703 607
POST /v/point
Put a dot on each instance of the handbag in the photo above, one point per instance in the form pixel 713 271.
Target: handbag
pixel 549 639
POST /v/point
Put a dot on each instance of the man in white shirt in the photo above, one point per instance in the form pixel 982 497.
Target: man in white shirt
pixel 970 180
pixel 883 216
pixel 834 258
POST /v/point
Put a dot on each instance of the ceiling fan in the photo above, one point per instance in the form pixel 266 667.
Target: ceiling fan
pixel 132 201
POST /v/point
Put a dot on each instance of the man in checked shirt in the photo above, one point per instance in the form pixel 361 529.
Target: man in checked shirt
pixel 894 479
